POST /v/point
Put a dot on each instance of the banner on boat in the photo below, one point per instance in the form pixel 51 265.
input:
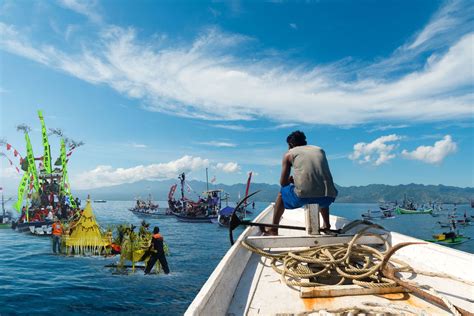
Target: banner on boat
pixel 47 150
pixel 21 191
pixel 31 162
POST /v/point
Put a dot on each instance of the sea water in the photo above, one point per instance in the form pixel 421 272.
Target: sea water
pixel 33 281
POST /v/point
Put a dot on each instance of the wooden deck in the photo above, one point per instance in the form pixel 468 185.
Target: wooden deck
pixel 245 284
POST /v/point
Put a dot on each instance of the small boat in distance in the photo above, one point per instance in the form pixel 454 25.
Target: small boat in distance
pixel 5 217
pixel 409 207
pixel 100 201
pixel 143 207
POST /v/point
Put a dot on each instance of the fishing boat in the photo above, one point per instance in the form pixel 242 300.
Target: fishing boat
pixel 224 214
pixel 384 206
pixel 146 208
pixel 404 211
pixel 370 215
pixel 449 238
pixel 204 210
pixel 100 201
pixel 249 282
pixel 411 208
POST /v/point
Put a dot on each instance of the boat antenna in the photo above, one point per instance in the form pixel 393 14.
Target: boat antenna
pixel 207 180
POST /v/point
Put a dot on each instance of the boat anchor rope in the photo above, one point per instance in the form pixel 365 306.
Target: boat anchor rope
pixel 356 263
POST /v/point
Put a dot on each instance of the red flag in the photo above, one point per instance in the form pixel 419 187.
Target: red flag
pixel 9 146
pixel 15 153
pixel 17 169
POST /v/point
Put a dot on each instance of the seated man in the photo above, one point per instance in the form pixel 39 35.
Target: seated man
pixel 311 182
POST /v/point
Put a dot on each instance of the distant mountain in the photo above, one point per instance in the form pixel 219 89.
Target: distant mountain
pixel 354 194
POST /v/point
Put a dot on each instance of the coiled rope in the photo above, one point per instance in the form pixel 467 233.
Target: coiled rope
pixel 348 262
pixel 351 262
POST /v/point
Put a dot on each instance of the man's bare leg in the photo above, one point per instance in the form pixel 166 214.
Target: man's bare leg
pixel 278 210
pixel 324 211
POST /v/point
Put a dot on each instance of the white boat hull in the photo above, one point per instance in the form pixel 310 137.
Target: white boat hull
pixel 244 284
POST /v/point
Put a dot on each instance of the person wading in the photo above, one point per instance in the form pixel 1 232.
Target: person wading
pixel 157 252
pixel 57 233
pixel 311 182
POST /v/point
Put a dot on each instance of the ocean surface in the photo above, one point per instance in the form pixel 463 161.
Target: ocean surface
pixel 33 281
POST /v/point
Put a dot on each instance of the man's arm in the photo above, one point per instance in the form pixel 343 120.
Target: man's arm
pixel 285 170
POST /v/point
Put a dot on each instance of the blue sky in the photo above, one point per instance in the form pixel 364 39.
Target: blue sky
pixel 154 88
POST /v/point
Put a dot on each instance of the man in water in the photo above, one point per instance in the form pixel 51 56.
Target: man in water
pixel 157 252
pixel 56 234
pixel 311 182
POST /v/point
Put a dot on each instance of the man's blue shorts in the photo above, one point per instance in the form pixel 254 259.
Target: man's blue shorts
pixel 291 200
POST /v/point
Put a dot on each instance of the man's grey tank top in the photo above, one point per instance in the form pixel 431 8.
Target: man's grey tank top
pixel 311 172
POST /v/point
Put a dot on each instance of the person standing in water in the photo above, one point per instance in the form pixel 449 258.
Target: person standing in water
pixel 311 182
pixel 57 231
pixel 157 252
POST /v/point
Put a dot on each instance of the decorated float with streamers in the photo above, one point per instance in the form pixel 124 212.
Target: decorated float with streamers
pixel 44 191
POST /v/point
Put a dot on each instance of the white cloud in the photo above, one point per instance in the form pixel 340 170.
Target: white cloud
pixel 229 167
pixel 87 8
pixel 377 152
pixel 103 176
pixel 387 127
pixel 206 80
pixel 232 127
pixel 433 154
pixel 134 145
pixel 217 144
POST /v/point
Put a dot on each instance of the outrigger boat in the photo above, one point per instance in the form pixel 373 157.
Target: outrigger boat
pixel 289 274
pixel 205 210
pixel 449 238
pixel 402 211
pixel 386 214
pixel 411 208
pixel 146 208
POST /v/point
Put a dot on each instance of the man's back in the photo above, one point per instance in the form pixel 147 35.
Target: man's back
pixel 311 173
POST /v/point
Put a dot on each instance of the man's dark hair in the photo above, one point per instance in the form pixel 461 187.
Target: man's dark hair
pixel 156 230
pixel 297 138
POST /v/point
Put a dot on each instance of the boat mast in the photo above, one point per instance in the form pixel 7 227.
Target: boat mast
pixel 181 178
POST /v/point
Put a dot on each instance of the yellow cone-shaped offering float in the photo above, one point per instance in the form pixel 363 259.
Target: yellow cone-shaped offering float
pixel 86 237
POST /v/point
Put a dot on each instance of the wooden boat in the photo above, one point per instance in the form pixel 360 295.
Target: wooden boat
pixel 401 211
pixel 146 212
pixel 195 219
pixel 451 241
pixel 244 283
pixel 449 238
pixel 205 210
pixel 35 228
